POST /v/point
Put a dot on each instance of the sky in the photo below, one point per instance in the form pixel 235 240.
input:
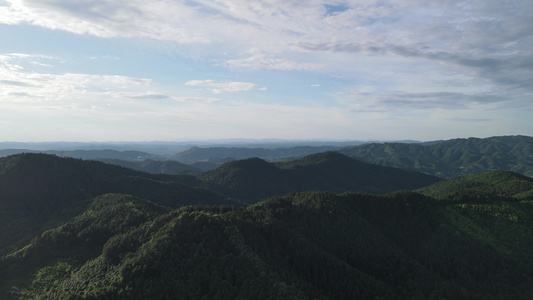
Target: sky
pixel 168 70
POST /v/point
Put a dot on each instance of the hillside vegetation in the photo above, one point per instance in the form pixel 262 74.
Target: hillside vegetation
pixel 299 246
pixel 38 190
pixel 452 158
pixel 253 179
pixel 486 187
pixel 74 229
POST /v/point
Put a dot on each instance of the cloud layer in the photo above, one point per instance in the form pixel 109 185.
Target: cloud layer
pixel 225 87
pixel 451 60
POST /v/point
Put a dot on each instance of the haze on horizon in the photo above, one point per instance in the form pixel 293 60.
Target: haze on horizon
pixel 223 69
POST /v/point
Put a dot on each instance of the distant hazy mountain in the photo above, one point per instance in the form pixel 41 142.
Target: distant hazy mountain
pixel 444 158
pixel 154 166
pixel 452 158
pixel 168 148
pixel 215 154
pixel 156 148
pixel 89 154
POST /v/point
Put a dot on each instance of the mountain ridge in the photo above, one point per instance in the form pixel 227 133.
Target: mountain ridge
pixel 451 158
pixel 252 229
pixel 252 179
pixel 441 158
pixel 38 189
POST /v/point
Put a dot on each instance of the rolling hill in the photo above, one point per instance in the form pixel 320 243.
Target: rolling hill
pixel 40 190
pixel 332 171
pixel 252 179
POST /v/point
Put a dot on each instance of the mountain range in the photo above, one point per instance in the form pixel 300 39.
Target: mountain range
pixel 39 190
pixel 214 154
pixel 445 158
pixel 454 157
pixel 321 226
pixel 253 179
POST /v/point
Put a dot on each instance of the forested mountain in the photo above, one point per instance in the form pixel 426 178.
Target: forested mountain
pixel 445 159
pixel 76 229
pixel 39 190
pixel 299 246
pixel 452 158
pixel 252 179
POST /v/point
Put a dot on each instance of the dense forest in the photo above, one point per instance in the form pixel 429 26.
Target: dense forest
pixel 452 158
pixel 253 179
pixel 325 226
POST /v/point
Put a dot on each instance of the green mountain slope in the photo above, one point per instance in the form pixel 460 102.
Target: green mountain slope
pixel 299 246
pixel 38 190
pixel 452 158
pixel 74 229
pixel 78 240
pixel 248 180
pixel 252 179
pixel 332 171
pixel 485 187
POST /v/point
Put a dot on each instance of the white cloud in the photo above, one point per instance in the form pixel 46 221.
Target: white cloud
pixel 475 37
pixel 226 86
pixel 159 96
pixel 196 99
pixel 398 55
pixel 36 63
pixel 6 63
pixel 63 90
pixel 148 96
pixel 154 19
pixel 85 92
pixel 259 60
pixel 105 57
pixel 14 61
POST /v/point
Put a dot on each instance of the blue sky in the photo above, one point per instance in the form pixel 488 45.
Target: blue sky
pixel 160 70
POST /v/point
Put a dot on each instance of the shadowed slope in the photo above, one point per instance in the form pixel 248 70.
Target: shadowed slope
pixel 39 190
pixel 252 179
